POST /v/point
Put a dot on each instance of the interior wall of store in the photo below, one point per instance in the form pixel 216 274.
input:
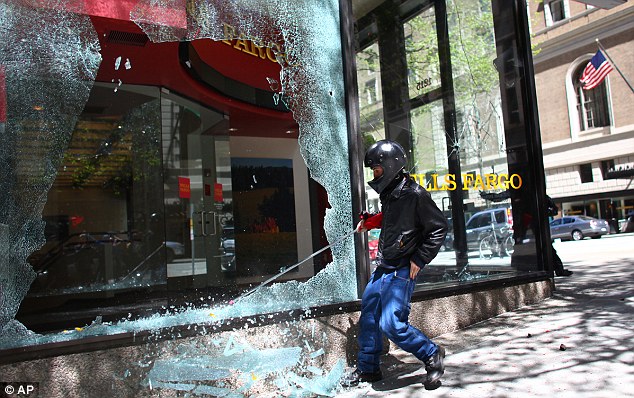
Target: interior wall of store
pixel 281 148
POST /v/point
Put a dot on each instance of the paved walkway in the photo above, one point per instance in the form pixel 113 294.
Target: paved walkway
pixel 579 343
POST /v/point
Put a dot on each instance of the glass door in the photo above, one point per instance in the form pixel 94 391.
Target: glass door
pixel 197 194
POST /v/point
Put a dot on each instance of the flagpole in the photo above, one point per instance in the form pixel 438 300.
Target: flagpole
pixel 615 66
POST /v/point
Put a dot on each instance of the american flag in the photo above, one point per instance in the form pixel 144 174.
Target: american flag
pixel 596 70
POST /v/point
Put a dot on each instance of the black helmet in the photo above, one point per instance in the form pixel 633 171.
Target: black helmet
pixel 391 157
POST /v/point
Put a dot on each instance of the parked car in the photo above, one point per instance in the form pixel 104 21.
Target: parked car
pixel 228 240
pixel 448 243
pixel 373 242
pixel 578 227
pixel 482 223
pixel 174 250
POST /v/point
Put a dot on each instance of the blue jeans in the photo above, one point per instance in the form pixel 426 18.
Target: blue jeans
pixel 385 307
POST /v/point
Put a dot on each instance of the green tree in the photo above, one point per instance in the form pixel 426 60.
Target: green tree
pixel 476 83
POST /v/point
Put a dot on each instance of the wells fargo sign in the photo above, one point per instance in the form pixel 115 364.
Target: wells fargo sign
pixel 249 47
pixel 448 182
pixel 184 188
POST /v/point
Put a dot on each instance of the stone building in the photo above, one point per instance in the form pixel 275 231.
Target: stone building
pixel 587 135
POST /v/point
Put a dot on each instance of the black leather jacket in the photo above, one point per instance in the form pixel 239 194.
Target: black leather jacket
pixel 413 227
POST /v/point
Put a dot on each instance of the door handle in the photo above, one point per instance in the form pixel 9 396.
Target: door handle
pixel 198 232
pixel 205 221
pixel 213 218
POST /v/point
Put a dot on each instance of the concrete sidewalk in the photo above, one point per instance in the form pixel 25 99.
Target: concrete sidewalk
pixel 579 343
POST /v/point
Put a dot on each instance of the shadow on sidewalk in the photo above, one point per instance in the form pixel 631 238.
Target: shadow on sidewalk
pixel 578 343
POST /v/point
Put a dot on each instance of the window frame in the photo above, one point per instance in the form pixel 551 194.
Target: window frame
pixel 606 166
pixel 586 173
pixel 548 12
pixel 574 118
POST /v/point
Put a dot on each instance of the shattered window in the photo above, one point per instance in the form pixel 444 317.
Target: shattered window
pixel 125 182
pixel 176 163
pixel 45 80
pixel 310 85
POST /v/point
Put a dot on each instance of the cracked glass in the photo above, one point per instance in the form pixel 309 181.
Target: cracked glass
pixel 147 193
pixel 116 143
pixel 45 80
pixel 439 95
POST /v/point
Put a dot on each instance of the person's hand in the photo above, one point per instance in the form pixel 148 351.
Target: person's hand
pixel 361 226
pixel 413 270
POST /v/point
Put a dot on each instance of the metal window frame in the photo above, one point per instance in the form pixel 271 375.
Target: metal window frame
pixel 519 43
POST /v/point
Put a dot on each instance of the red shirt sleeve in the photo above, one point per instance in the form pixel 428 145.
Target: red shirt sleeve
pixel 374 221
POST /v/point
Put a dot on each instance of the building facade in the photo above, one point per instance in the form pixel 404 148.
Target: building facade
pixel 588 135
pixel 181 180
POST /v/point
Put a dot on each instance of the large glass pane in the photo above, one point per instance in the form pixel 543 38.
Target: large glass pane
pixel 193 171
pixel 104 218
pixel 443 103
pixel 480 140
pixel 421 49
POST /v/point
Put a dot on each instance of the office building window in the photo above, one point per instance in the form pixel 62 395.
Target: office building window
pixel 606 166
pixel 592 105
pixel 585 172
pixel 370 91
pixel 555 11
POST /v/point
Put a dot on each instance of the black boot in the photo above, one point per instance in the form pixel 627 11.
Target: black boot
pixel 356 377
pixel 564 272
pixel 435 366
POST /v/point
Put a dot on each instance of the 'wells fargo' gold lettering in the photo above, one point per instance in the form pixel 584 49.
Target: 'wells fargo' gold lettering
pixel 245 45
pixel 471 182
pixel 450 182
pixel 272 51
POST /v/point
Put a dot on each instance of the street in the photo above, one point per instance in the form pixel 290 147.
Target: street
pixel 609 248
pixel 570 251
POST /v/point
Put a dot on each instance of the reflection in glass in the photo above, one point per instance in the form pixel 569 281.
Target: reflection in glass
pixel 266 232
pixel 421 49
pixel 197 196
pixel 592 105
pixel 370 98
pixel 429 146
pixel 473 103
pixel 104 227
pixel 371 127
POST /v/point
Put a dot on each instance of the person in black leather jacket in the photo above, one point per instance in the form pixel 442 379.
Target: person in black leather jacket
pixel 412 231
